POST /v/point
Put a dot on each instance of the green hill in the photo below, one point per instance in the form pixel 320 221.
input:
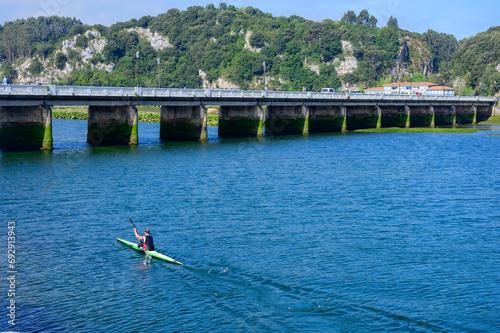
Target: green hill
pixel 225 47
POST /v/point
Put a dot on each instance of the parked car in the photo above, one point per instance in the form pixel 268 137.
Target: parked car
pixel 355 92
pixel 328 90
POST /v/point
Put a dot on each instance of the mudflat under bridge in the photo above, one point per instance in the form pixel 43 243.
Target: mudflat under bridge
pixel 26 114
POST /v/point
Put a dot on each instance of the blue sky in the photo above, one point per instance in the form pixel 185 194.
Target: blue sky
pixel 460 18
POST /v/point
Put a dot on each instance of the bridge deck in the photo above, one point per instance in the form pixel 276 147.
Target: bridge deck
pixel 22 95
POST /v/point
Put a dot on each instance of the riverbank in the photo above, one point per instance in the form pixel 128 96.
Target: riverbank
pixel 146 114
pixel 495 120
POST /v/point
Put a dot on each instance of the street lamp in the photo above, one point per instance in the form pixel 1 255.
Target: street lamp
pixel 444 81
pixel 264 65
pixel 411 84
pixel 158 61
pixel 137 54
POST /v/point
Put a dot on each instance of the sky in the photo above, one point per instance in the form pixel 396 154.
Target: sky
pixel 462 19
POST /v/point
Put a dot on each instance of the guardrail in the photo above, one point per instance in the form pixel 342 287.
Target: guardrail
pixel 82 91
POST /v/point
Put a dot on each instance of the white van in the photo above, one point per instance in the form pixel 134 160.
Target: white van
pixel 328 90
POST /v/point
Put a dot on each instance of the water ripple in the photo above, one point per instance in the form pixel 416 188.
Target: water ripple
pixel 324 233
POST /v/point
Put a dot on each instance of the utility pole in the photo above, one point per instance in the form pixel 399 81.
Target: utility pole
pixel 137 54
pixel 264 65
pixel 411 84
pixel 158 73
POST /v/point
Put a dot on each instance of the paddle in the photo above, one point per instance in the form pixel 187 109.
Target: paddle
pixel 132 222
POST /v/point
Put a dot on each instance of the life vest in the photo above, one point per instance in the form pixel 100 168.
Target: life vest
pixel 147 243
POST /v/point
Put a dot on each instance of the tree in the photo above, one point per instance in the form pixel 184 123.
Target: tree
pixel 392 23
pixel 363 18
pixel 81 41
pixel 9 42
pixel 36 67
pixel 61 60
pixel 443 46
pixel 417 77
pixel 372 22
pixel 349 17
pixel 330 46
pixel 257 39
pixel 9 71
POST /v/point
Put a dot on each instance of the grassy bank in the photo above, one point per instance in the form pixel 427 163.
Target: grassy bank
pixel 152 115
pixel 146 114
pixel 69 112
pixel 495 120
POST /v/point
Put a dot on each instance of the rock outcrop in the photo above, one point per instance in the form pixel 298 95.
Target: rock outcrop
pixel 157 41
pixel 413 57
pixel 220 83
pixel 248 46
pixel 349 64
pixel 95 45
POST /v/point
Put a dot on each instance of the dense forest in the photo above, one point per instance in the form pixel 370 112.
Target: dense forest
pixel 225 46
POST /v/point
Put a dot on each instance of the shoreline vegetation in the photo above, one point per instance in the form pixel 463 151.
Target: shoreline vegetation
pixel 146 114
pixel 152 115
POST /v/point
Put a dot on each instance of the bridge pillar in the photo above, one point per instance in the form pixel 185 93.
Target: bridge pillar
pixel 454 111
pixel 408 116
pixel 483 112
pixel 362 116
pixel 112 125
pixel 392 115
pixel 379 114
pixel 26 128
pixel 421 115
pixel 433 115
pixel 283 120
pixel 444 115
pixel 474 111
pixel 241 121
pixel 464 114
pixel 343 109
pixel 322 119
pixel 183 123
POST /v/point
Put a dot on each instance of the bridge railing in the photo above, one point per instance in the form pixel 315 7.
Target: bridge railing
pixel 30 90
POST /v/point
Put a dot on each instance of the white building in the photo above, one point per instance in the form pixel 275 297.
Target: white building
pixel 412 88
pixel 440 91
pixel 407 88
pixel 375 90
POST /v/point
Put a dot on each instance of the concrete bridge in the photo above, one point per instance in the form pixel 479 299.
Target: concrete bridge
pixel 26 115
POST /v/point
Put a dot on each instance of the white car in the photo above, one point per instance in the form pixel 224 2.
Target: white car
pixel 328 90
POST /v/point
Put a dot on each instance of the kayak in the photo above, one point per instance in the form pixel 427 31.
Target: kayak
pixel 151 253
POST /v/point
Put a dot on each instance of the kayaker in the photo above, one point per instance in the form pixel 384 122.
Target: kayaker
pixel 146 240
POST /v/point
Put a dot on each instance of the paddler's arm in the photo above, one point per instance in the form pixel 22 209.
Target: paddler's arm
pixel 137 235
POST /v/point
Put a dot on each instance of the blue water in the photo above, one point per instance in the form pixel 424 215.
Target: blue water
pixel 324 233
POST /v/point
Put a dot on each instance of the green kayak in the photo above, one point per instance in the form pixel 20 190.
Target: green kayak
pixel 151 253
